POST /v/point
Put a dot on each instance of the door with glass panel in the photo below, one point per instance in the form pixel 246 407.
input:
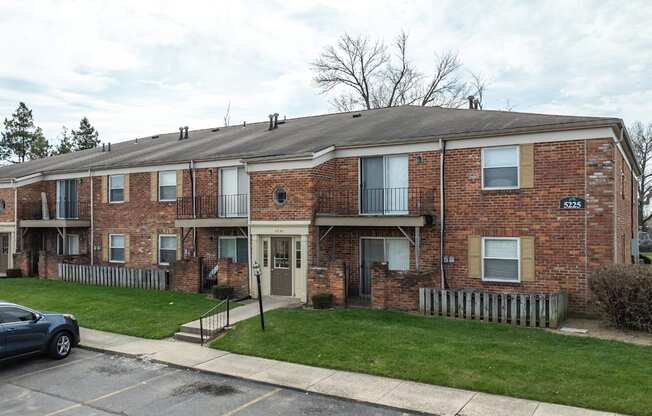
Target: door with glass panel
pixel 384 185
pixel 373 251
pixel 67 206
pixel 234 192
pixel 4 252
pixel 281 274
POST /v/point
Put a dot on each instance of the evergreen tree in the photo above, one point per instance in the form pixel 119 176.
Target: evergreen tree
pixel 21 139
pixel 66 142
pixel 86 137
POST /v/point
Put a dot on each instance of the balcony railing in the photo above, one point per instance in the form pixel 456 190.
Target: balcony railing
pixel 213 206
pixel 68 209
pixel 377 201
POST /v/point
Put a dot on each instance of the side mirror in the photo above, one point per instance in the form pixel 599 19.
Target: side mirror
pixel 37 317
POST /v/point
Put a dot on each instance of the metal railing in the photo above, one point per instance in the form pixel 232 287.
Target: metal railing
pixel 208 272
pixel 62 209
pixel 214 321
pixel 376 201
pixel 213 206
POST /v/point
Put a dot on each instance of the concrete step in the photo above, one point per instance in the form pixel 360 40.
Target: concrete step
pixel 194 330
pixel 188 337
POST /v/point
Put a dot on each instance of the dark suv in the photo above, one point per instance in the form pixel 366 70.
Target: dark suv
pixel 25 331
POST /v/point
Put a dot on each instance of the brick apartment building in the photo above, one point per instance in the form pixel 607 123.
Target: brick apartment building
pixel 367 205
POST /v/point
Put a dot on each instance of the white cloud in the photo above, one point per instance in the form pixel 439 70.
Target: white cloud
pixel 138 68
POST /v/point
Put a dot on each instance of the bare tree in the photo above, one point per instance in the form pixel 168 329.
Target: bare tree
pixel 364 75
pixel 642 141
pixel 227 115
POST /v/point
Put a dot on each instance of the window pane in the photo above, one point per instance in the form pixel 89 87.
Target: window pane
pixel 73 245
pixel 265 253
pixel 398 254
pixel 501 248
pixel 168 193
pixel 227 248
pixel 117 181
pixel 15 315
pixel 168 256
pixel 501 269
pixel 500 177
pixel 500 157
pixel 117 195
pixel 242 250
pixel 168 243
pixel 117 241
pixel 167 178
pixel 117 254
pixel 297 256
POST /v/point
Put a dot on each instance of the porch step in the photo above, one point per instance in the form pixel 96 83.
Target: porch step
pixel 188 337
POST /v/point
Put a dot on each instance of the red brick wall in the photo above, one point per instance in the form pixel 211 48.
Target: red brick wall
pixel 299 186
pixel 330 279
pixel 235 275
pixel 7 214
pixel 398 290
pixel 185 275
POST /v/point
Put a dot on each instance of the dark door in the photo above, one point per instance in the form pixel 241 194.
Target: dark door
pixel 67 206
pixel 372 194
pixel 4 252
pixel 22 332
pixel 281 275
pixel 373 251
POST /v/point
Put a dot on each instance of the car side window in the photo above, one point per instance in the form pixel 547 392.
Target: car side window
pixel 10 315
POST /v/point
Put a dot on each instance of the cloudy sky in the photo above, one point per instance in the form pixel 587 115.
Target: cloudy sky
pixel 138 67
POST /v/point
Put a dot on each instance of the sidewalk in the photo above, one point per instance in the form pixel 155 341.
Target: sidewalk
pixel 400 394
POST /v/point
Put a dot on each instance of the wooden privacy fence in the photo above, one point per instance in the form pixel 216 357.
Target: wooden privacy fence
pixel 113 276
pixel 533 310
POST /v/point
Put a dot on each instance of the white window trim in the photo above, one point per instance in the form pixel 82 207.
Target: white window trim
pixel 159 185
pixel 176 244
pixel 518 259
pixel 384 157
pixel 110 188
pixel 60 240
pixel 123 248
pixel 518 168
pixel 229 237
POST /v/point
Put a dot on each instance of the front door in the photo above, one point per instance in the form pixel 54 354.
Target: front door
pixel 4 252
pixel 373 251
pixel 281 275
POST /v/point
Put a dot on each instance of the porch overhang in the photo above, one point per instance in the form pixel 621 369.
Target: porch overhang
pixel 370 220
pixel 55 223
pixel 210 222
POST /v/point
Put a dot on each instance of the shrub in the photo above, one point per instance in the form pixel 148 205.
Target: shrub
pixel 223 291
pixel 645 258
pixel 14 273
pixel 623 293
pixel 322 301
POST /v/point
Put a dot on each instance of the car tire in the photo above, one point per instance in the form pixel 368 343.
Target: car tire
pixel 60 345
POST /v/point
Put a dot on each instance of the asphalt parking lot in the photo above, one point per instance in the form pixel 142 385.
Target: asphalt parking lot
pixel 90 383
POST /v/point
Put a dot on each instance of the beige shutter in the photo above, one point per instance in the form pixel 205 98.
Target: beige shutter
pixel 126 191
pixel 155 248
pixel 527 259
pixel 179 247
pixel 526 165
pixel 154 186
pixel 105 189
pixel 127 248
pixel 179 183
pixel 475 259
pixel 105 247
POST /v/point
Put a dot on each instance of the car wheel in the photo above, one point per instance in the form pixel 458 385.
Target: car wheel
pixel 61 345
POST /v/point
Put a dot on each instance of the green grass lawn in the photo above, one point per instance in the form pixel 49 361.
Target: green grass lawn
pixel 648 255
pixel 528 363
pixel 137 312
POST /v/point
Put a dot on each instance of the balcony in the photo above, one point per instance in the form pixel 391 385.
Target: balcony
pixel 213 211
pixel 374 207
pixel 64 213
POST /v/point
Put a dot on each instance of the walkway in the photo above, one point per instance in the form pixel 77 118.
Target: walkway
pixel 394 393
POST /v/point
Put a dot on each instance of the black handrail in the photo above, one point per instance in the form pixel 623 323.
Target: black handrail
pixel 213 206
pixel 376 201
pixel 214 321
pixel 61 209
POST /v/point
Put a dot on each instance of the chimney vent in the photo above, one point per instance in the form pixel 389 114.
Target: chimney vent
pixel 271 121
pixel 275 120
pixel 185 135
pixel 471 102
pixel 109 147
pixel 477 105
pixel 180 133
pixel 103 147
pixel 244 124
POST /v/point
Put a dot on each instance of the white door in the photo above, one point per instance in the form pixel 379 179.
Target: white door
pixel 396 184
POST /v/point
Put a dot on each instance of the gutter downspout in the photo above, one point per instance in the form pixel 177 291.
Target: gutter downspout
pixel 16 224
pixel 90 176
pixel 194 205
pixel 250 250
pixel 442 216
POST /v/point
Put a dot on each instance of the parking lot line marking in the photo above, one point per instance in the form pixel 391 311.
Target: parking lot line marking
pixel 67 363
pixel 254 401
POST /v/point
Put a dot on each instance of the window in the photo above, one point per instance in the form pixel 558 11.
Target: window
pixel 116 248
pixel 500 167
pixel 265 253
pixel 167 249
pixel 116 188
pixel 234 192
pixel 167 185
pixel 500 259
pixel 280 196
pixel 67 206
pixel 384 185
pixel 397 253
pixel 11 315
pixel 297 257
pixel 234 248
pixel 73 245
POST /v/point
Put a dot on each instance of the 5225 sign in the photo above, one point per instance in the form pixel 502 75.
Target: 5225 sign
pixel 572 202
